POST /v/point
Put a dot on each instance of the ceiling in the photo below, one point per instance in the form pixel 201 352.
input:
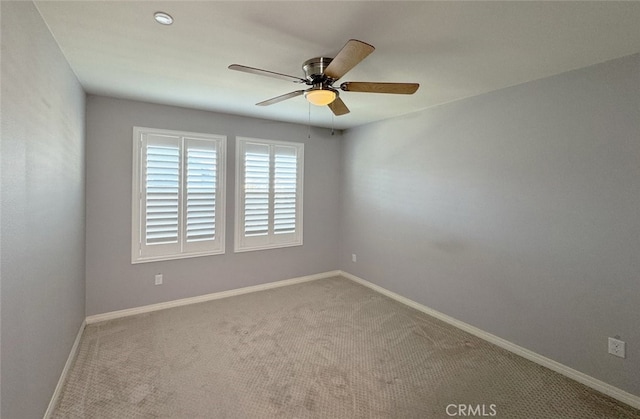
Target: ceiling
pixel 453 49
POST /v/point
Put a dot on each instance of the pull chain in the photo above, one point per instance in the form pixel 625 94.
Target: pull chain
pixel 332 124
pixel 309 133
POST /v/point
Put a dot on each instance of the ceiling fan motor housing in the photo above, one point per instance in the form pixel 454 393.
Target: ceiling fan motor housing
pixel 314 69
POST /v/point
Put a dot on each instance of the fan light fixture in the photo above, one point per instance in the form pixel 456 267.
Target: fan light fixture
pixel 163 18
pixel 320 97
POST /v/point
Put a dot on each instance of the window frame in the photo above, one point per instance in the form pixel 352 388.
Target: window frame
pixel 182 249
pixel 272 240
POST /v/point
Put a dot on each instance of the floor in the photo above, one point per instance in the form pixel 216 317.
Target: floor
pixel 328 348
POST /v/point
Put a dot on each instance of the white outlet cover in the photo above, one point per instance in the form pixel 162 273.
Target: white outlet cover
pixel 158 279
pixel 617 347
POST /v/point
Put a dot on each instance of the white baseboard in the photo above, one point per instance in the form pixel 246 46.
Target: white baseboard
pixel 207 297
pixel 594 383
pixel 65 372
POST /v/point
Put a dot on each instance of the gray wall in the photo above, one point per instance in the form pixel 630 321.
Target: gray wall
pixel 42 218
pixel 516 211
pixel 113 283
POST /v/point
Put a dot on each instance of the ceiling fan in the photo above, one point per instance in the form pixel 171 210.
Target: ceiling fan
pixel 322 72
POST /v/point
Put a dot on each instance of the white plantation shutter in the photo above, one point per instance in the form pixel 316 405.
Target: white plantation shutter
pixel 201 188
pixel 178 201
pixel 268 194
pixel 256 190
pixel 285 189
pixel 162 185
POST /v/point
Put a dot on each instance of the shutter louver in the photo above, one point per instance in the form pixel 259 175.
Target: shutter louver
pixel 162 194
pixel 201 191
pixel 256 192
pixel 285 182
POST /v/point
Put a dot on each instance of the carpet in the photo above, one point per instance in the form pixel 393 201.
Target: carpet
pixel 328 348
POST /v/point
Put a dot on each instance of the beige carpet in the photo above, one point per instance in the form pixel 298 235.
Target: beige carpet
pixel 323 349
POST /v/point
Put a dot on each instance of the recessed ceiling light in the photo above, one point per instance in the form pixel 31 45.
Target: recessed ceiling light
pixel 163 18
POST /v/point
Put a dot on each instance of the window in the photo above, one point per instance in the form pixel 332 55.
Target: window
pixel 178 195
pixel 268 194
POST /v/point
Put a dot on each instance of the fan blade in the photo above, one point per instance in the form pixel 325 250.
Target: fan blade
pixel 351 54
pixel 338 107
pixel 396 88
pixel 267 73
pixel 280 98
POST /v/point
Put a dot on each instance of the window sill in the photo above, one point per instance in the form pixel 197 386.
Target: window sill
pixel 266 247
pixel 174 257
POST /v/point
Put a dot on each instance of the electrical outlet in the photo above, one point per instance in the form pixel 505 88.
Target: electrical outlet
pixel 353 258
pixel 158 279
pixel 616 347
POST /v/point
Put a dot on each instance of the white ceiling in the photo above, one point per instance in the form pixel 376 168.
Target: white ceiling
pixel 453 49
